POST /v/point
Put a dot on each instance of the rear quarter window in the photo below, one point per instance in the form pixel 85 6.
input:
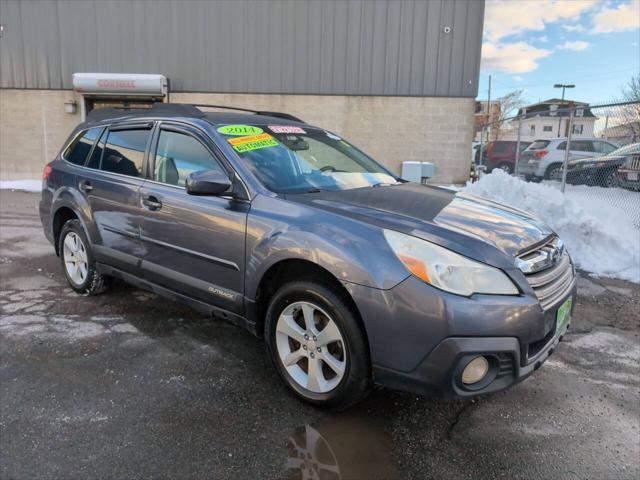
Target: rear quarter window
pixel 79 149
pixel 539 145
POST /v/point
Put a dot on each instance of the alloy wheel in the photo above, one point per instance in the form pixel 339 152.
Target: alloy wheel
pixel 555 174
pixel 311 347
pixel 74 254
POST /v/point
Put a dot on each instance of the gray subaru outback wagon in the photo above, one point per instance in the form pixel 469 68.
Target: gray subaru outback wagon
pixel 352 275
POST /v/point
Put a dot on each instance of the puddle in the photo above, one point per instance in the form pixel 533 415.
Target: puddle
pixel 344 447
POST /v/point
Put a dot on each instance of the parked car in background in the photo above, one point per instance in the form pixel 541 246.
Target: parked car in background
pixel 543 159
pixel 629 172
pixel 602 170
pixel 351 275
pixel 501 154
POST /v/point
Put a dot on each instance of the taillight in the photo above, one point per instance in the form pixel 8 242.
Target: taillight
pixel 540 153
pixel 46 172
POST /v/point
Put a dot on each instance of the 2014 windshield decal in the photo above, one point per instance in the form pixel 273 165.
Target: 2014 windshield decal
pixel 239 130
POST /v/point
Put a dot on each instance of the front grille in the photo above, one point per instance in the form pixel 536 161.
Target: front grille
pixel 633 163
pixel 550 278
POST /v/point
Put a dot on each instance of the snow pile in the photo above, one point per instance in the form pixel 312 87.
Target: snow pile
pixel 600 237
pixel 26 185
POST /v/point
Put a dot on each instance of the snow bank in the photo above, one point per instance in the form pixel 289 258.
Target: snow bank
pixel 26 185
pixel 600 237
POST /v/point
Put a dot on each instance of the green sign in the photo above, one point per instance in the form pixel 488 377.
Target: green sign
pixel 246 147
pixel 239 130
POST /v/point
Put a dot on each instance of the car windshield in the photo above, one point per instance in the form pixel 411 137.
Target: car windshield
pixel 293 159
pixel 626 150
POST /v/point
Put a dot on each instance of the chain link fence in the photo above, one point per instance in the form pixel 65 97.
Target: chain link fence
pixel 589 152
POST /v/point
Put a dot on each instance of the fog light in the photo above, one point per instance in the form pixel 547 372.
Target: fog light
pixel 475 370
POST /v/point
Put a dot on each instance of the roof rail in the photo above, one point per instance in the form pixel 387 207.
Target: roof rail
pixel 157 108
pixel 257 112
pixel 184 109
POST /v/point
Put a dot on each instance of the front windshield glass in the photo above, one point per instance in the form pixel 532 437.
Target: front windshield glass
pixel 292 159
pixel 626 150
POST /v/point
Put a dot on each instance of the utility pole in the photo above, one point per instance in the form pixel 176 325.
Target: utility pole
pixel 489 111
pixel 523 114
pixel 486 125
pixel 563 86
pixel 567 149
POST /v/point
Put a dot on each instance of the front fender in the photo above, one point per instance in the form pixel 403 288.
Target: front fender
pixel 352 251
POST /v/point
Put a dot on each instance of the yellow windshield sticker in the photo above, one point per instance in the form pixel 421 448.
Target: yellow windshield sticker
pixel 239 130
pixel 252 142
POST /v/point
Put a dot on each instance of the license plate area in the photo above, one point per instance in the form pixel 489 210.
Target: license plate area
pixel 633 176
pixel 563 315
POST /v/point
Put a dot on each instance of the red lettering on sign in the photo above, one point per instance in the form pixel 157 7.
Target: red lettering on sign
pixel 117 83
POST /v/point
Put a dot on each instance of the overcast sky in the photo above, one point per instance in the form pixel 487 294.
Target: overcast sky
pixel 533 44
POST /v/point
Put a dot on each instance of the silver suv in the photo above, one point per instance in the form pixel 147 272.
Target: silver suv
pixel 543 159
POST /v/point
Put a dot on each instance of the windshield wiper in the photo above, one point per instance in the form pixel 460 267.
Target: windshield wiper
pixel 383 184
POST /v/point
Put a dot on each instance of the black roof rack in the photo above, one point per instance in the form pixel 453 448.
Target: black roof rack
pixel 183 109
pixel 286 116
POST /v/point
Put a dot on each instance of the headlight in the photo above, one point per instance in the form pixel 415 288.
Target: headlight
pixel 447 270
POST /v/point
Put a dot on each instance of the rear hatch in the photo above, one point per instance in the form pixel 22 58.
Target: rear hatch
pixel 537 149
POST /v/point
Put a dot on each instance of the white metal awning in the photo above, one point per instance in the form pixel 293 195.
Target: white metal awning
pixel 120 84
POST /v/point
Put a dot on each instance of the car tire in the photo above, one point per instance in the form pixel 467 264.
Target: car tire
pixel 320 312
pixel 506 168
pixel 78 263
pixel 610 180
pixel 554 172
pixel 533 179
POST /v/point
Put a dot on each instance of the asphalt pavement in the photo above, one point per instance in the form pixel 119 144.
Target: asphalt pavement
pixel 129 385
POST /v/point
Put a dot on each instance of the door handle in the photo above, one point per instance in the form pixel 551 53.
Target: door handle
pixel 85 186
pixel 151 202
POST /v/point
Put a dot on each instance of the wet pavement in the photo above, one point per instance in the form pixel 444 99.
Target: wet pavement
pixel 129 385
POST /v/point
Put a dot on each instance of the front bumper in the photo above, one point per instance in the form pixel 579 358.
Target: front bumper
pixel 530 169
pixel 420 339
pixel 441 371
pixel 629 179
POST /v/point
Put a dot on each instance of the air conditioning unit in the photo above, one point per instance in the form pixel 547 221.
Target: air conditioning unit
pixel 418 172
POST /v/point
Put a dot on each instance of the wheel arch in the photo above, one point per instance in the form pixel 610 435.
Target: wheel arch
pixel 550 167
pixel 67 205
pixel 295 269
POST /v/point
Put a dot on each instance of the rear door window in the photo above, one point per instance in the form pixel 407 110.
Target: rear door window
pixel 501 147
pixel 538 145
pixel 124 151
pixel 77 152
pixel 582 146
pixel 603 147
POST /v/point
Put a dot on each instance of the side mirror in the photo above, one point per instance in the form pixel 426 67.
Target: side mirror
pixel 208 183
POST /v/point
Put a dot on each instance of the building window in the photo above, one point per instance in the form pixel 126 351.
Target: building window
pixel 532 130
pixel 577 129
pixel 547 128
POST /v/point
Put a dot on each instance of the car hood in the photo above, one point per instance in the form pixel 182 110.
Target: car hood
pixel 472 226
pixel 591 161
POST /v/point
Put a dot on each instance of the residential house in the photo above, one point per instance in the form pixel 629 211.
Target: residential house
pixel 550 119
